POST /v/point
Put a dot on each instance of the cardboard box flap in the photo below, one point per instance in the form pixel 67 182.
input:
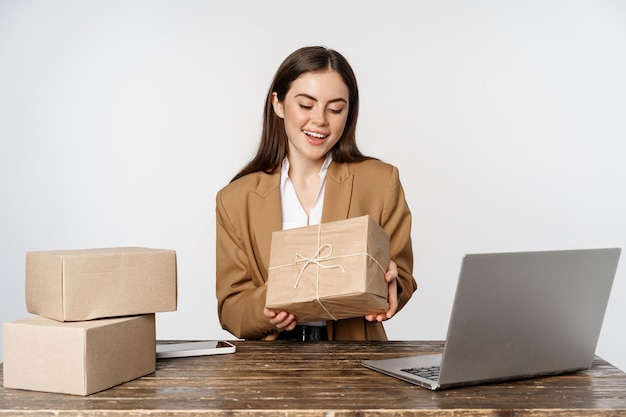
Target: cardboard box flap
pixel 40 289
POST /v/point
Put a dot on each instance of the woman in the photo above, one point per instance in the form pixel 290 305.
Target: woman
pixel 308 169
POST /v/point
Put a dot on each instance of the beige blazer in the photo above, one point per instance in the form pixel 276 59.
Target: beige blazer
pixel 248 210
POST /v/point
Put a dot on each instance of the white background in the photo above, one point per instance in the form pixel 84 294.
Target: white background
pixel 120 120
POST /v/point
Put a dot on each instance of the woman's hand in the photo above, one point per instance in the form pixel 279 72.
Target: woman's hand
pixel 392 293
pixel 282 320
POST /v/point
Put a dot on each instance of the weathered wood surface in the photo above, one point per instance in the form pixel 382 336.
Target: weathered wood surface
pixel 324 378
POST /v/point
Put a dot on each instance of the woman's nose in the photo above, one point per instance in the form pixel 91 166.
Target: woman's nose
pixel 319 117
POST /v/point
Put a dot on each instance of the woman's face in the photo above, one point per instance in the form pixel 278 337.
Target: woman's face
pixel 314 110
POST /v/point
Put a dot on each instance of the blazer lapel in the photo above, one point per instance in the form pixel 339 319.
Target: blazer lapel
pixel 265 216
pixel 266 211
pixel 338 193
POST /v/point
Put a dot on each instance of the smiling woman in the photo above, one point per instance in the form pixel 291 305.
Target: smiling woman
pixel 308 170
pixel 314 113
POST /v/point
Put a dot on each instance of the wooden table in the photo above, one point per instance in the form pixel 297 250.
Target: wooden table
pixel 324 378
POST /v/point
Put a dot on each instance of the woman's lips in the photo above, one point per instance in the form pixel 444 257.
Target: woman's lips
pixel 315 135
pixel 315 138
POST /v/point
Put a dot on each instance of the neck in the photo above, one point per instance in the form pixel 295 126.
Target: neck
pixel 301 169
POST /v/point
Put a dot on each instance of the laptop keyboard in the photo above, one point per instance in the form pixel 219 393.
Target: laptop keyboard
pixel 428 372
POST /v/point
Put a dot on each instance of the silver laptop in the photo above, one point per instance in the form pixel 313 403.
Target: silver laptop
pixel 517 315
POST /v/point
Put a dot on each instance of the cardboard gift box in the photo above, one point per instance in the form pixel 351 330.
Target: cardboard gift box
pixel 76 285
pixel 329 271
pixel 77 358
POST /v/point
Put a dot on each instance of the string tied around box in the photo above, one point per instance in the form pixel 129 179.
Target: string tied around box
pixel 317 259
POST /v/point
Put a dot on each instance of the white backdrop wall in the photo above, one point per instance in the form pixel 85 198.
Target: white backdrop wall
pixel 120 120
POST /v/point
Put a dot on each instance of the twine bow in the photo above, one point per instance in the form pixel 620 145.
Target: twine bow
pixel 316 259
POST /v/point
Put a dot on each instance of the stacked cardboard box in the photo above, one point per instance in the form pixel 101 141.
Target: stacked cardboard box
pixel 95 319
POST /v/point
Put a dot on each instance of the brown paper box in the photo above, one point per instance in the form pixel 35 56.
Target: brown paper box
pixel 341 281
pixel 77 358
pixel 76 285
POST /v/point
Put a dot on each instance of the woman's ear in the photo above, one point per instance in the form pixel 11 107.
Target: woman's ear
pixel 278 106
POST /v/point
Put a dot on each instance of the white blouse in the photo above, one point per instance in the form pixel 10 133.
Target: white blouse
pixel 293 213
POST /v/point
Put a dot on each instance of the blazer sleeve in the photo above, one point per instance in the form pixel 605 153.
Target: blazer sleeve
pixel 396 221
pixel 240 288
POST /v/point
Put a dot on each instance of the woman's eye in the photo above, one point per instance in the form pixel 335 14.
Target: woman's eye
pixel 335 111
pixel 303 106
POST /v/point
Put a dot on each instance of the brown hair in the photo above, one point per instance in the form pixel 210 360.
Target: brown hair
pixel 274 145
